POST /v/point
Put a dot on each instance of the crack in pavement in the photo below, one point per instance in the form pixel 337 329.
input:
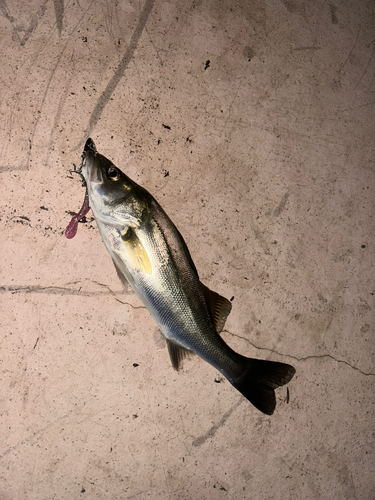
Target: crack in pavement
pixel 305 358
pixel 60 290
pixel 55 290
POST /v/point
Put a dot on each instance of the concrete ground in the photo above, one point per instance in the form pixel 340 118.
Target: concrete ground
pixel 252 123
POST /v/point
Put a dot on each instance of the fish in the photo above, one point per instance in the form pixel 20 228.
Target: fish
pixel 150 255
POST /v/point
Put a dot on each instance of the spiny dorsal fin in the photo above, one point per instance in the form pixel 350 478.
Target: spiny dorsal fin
pixel 177 353
pixel 219 307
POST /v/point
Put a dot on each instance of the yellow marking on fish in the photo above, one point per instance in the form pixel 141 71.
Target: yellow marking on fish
pixel 136 251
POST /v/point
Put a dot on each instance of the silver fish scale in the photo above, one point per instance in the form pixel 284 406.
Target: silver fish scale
pixel 173 295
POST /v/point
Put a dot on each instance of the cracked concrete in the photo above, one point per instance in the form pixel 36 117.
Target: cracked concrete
pixel 252 124
pixel 304 358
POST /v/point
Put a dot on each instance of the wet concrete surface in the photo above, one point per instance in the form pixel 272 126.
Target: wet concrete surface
pixel 252 123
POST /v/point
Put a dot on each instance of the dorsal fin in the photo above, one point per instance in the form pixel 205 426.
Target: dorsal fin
pixel 177 353
pixel 219 307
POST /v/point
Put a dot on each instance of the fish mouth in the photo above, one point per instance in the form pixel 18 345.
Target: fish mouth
pixel 89 166
pixel 90 146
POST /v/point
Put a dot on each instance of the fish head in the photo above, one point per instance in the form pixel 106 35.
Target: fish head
pixel 114 198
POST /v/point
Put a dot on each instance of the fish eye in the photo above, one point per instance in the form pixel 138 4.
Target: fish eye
pixel 113 173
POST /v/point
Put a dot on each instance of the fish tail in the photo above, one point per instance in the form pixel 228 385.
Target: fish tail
pixel 259 381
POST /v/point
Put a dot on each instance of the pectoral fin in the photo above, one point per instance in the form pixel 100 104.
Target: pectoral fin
pixel 136 251
pixel 121 276
pixel 219 307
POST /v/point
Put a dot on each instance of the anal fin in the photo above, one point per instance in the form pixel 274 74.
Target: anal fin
pixel 177 353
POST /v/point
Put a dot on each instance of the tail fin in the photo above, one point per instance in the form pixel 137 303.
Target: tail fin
pixel 260 379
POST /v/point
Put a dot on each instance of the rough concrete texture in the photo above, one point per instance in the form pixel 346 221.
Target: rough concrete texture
pixel 252 123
